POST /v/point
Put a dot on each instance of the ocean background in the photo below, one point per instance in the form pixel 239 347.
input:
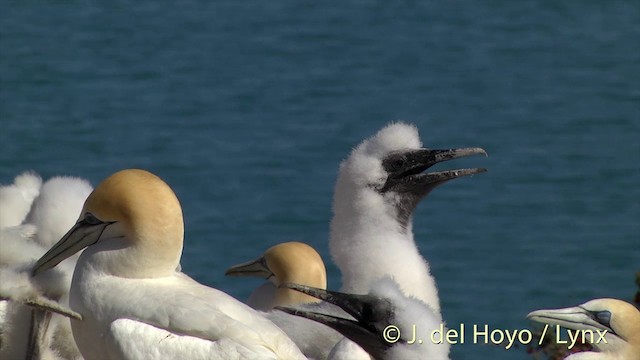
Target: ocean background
pixel 247 108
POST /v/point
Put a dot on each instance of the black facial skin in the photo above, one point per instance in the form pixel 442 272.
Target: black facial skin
pixel 406 178
pixel 371 315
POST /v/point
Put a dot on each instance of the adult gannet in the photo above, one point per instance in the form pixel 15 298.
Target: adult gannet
pixel 126 287
pixel 52 213
pixel 16 199
pixel 298 263
pixel 378 187
pixel 617 320
pixel 385 305
pixel 292 261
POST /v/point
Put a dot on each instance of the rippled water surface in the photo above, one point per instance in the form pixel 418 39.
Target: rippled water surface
pixel 247 108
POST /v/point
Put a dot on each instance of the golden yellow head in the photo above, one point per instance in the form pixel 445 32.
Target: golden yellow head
pixel 617 321
pixel 624 318
pixel 298 263
pixel 293 262
pixel 142 202
pixel 133 223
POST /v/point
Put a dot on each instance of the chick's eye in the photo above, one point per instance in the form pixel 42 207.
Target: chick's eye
pixel 367 312
pixel 397 164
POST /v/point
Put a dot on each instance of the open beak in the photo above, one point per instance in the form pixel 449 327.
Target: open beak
pixel 410 177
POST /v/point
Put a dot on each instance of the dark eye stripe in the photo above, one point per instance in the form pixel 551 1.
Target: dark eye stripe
pixel 90 219
pixel 603 317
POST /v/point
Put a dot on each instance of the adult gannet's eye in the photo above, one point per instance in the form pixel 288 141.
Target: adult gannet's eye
pixel 90 219
pixel 603 317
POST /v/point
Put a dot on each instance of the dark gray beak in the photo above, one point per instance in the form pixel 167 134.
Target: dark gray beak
pixel 406 169
pixel 367 310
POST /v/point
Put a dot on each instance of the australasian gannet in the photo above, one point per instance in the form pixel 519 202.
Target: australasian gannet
pixel 378 187
pixel 292 261
pixel 385 305
pixel 126 287
pixel 52 213
pixel 616 320
pixel 298 263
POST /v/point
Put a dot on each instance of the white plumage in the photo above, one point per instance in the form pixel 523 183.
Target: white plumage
pixel 378 187
pixel 16 199
pixel 51 214
pixel 383 306
pixel 126 287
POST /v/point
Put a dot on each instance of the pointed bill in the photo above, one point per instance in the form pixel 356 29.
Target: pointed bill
pixel 84 233
pixel 574 318
pixel 257 268
pixel 365 309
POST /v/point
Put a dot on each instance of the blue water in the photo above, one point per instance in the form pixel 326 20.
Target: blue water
pixel 247 108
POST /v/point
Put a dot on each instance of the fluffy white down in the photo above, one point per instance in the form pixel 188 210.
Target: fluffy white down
pixel 408 312
pixel 57 207
pixel 367 240
pixel 16 199
pixel 53 211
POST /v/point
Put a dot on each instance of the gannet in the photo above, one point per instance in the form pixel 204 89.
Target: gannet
pixel 52 213
pixel 297 263
pixel 385 305
pixel 131 298
pixel 57 207
pixel 16 199
pixel 378 187
pixel 619 319
pixel 292 261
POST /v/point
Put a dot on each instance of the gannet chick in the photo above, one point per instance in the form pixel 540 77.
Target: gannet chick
pixel 126 287
pixel 619 319
pixel 294 262
pixel 16 199
pixel 18 245
pixel 53 212
pixel 57 207
pixel 385 305
pixel 378 187
pixel 23 332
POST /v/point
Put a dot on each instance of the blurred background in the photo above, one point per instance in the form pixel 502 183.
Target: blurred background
pixel 247 108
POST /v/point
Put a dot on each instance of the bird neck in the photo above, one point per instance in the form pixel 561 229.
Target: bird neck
pixel 368 242
pixel 119 258
pixel 285 297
